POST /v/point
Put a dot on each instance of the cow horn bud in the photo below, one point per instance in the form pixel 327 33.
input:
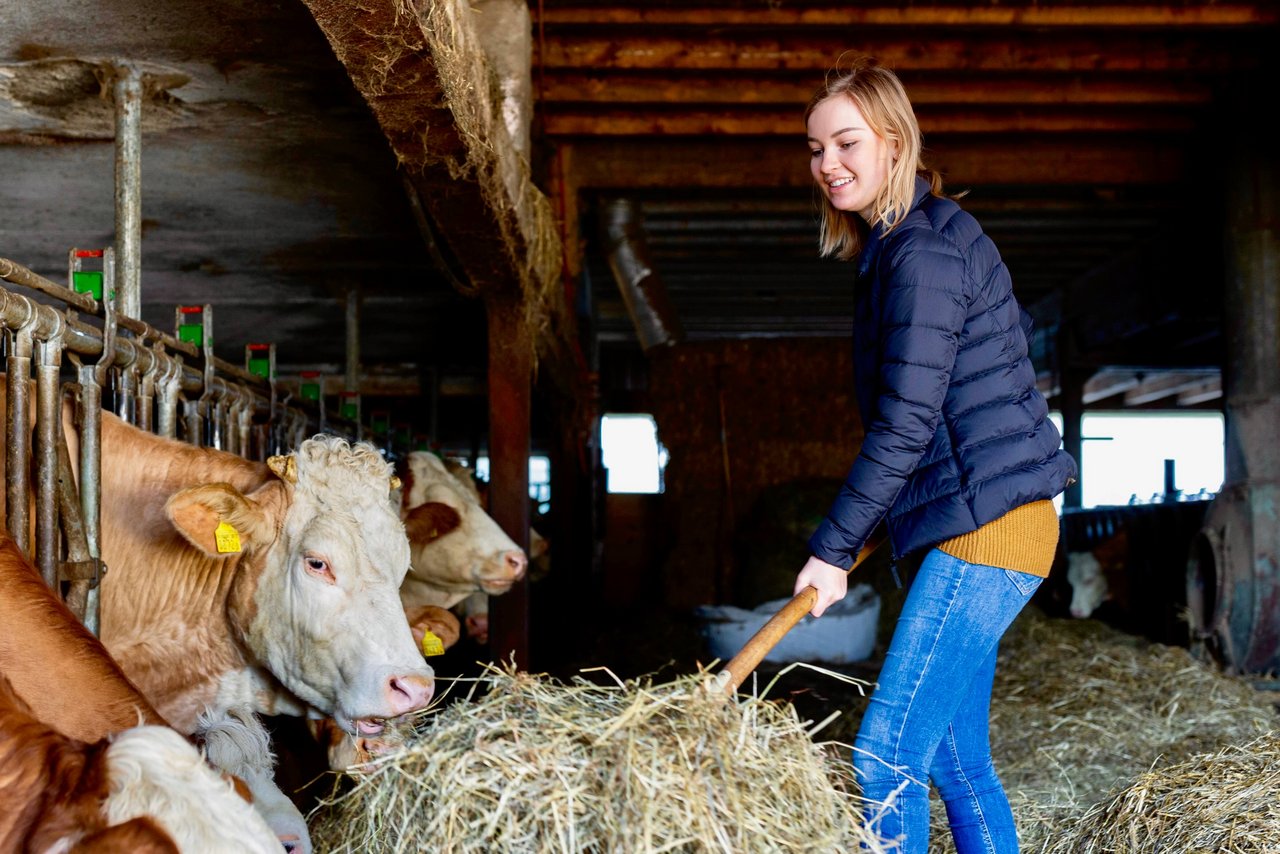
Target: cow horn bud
pixel 284 467
pixel 395 483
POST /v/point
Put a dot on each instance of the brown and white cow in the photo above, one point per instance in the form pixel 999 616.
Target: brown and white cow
pixel 236 583
pixel 63 692
pixel 233 583
pixel 143 789
pixel 457 548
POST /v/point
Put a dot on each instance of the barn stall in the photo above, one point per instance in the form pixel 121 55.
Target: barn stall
pixel 476 228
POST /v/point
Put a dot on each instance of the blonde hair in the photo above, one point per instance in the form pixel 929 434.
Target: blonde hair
pixel 878 94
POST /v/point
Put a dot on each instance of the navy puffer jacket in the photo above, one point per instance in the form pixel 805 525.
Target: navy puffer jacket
pixel 957 433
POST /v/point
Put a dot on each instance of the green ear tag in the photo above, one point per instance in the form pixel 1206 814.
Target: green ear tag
pixel 227 537
pixel 431 644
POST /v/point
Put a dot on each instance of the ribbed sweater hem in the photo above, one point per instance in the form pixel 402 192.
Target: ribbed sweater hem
pixel 1025 539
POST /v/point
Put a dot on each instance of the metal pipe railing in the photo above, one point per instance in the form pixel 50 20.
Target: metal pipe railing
pixel 128 189
pixel 48 435
pixel 21 318
pixel 151 380
pixel 13 272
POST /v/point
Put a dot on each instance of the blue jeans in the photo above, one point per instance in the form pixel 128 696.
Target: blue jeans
pixel 928 716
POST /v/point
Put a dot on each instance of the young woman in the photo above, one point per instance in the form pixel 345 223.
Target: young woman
pixel 960 460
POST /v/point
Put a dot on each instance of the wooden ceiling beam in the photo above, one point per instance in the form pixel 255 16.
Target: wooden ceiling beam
pixel 386 55
pixel 944 50
pixel 634 122
pixel 1202 14
pixel 1106 384
pixel 603 87
pixel 1155 387
pixel 773 162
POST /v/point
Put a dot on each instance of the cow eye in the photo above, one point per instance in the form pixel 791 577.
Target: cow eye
pixel 319 567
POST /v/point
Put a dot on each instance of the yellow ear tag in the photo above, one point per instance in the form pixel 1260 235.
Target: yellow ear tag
pixel 431 644
pixel 227 537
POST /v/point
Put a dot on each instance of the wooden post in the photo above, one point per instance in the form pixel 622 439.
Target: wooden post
pixel 510 410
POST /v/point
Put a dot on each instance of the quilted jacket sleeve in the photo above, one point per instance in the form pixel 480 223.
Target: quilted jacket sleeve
pixel 924 303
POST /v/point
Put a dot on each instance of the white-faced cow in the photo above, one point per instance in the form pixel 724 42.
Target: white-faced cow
pixel 234 583
pixel 457 548
pixel 84 758
pixel 275 587
pixel 1098 576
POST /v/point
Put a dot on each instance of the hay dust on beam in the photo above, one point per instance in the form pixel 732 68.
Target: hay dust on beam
pixel 537 765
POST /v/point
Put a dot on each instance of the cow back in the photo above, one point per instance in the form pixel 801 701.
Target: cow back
pixel 61 670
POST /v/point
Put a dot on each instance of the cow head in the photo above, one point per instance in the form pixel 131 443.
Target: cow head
pixel 315 595
pixel 457 547
pixel 1088 584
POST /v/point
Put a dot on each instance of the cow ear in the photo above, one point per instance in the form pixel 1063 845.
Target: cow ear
pixel 217 519
pixel 429 522
pixel 441 622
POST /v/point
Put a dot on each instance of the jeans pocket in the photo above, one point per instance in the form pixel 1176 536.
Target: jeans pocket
pixel 1025 582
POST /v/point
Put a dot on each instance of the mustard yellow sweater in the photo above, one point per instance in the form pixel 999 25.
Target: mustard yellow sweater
pixel 1024 539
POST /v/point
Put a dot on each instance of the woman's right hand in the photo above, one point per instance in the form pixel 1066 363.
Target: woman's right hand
pixel 831 582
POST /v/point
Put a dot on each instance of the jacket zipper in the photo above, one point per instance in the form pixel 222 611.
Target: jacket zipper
pixel 893 553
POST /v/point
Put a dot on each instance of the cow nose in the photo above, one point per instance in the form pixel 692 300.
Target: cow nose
pixel 409 693
pixel 516 562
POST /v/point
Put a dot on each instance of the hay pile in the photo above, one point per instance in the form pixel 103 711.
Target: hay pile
pixel 1081 710
pixel 538 766
pixel 1225 801
pixel 1105 743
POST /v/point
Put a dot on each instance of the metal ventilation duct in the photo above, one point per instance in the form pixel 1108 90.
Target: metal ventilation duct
pixel 643 291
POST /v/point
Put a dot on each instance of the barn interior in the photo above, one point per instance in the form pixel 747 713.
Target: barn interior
pixel 478 227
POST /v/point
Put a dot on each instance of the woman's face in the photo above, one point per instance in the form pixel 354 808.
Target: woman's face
pixel 849 161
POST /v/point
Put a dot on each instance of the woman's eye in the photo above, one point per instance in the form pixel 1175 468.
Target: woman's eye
pixel 816 152
pixel 847 145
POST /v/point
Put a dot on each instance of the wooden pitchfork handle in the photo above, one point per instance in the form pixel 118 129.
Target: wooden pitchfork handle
pixel 755 649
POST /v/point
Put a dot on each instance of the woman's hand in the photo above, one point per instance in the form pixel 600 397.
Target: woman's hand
pixel 831 581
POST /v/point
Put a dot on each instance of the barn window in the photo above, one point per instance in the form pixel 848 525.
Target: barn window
pixel 1125 453
pixel 539 479
pixel 633 456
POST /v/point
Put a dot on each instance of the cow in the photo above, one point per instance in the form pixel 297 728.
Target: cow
pixel 235 741
pixel 457 548
pixel 1098 576
pixel 474 608
pixel 1088 586
pixel 143 789
pixel 67 709
pixel 272 586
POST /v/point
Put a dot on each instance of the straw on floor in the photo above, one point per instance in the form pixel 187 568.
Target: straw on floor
pixel 1228 801
pixel 1084 715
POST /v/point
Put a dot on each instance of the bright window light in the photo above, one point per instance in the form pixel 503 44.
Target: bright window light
pixel 539 479
pixel 633 456
pixel 1124 456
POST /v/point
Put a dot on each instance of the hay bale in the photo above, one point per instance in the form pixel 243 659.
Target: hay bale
pixel 537 765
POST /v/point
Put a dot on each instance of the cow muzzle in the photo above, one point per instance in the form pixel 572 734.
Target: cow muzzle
pixel 511 568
